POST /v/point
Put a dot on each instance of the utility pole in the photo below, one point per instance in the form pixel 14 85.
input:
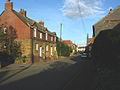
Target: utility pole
pixel 60 31
pixel 60 37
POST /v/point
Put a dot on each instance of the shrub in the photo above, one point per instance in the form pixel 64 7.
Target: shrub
pixel 63 49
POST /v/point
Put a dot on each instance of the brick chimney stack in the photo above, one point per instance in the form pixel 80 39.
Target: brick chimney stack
pixel 42 23
pixel 8 5
pixel 23 12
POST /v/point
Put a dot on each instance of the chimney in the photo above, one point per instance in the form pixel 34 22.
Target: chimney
pixel 42 23
pixel 110 11
pixel 8 5
pixel 23 12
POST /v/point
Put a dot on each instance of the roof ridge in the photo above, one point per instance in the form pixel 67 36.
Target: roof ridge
pixel 108 14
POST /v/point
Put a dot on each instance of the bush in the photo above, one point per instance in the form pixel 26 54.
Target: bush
pixel 63 49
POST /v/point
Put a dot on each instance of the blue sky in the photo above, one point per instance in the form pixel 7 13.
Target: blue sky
pixel 77 16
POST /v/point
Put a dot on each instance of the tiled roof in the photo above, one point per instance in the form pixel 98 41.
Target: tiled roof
pixel 26 20
pixel 114 15
pixel 29 22
pixel 110 21
pixel 67 41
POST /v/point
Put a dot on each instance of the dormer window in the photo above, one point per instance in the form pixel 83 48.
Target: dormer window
pixel 46 36
pixel 35 32
pixel 5 31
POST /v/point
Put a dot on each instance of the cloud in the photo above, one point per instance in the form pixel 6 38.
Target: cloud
pixel 82 8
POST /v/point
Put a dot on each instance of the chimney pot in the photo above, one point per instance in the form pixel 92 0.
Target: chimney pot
pixel 110 11
pixel 23 12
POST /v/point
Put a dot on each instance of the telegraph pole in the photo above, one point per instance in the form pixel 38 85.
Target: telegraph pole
pixel 60 37
pixel 60 31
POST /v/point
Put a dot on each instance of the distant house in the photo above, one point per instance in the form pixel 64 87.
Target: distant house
pixel 89 44
pixel 70 44
pixel 81 49
pixel 37 42
pixel 110 21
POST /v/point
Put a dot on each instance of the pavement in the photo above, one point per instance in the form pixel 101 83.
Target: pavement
pixel 71 73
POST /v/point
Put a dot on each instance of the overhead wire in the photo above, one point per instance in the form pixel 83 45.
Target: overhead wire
pixel 81 17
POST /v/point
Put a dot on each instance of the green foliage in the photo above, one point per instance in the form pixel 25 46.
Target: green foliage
pixel 8 40
pixel 63 49
pixel 22 59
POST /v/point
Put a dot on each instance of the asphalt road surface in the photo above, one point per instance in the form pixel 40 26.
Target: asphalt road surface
pixel 70 74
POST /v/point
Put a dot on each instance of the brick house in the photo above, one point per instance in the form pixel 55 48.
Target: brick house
pixel 68 42
pixel 110 21
pixel 37 42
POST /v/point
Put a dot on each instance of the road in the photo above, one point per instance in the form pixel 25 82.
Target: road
pixel 70 74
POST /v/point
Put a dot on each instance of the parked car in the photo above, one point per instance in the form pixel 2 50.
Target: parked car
pixel 84 55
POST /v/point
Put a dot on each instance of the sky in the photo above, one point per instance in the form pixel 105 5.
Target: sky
pixel 77 16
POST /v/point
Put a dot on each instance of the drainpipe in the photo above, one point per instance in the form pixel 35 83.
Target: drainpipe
pixel 31 36
pixel 45 52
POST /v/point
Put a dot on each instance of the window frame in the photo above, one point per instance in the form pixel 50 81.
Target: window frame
pixel 5 30
pixel 35 32
pixel 36 47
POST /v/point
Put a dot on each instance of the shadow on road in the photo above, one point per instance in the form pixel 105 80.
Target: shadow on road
pixel 2 74
pixel 56 77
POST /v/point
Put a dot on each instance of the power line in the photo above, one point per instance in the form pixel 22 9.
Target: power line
pixel 81 17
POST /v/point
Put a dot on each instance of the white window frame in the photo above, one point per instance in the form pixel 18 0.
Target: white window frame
pixel 5 31
pixel 51 51
pixel 40 35
pixel 35 32
pixel 46 47
pixel 51 38
pixel 5 46
pixel 54 48
pixel 36 47
pixel 46 36
pixel 40 51
pixel 55 39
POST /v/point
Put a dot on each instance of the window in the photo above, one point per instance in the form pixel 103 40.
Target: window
pixel 5 30
pixel 47 48
pixel 40 51
pixel 51 38
pixel 36 46
pixel 55 39
pixel 35 32
pixel 5 46
pixel 54 48
pixel 46 36
pixel 51 51
pixel 40 35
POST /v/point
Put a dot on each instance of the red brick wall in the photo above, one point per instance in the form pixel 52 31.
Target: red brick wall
pixel 22 30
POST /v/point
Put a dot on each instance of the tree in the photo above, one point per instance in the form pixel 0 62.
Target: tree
pixel 63 49
pixel 9 47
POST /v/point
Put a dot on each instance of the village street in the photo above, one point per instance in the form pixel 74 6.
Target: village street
pixel 69 74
